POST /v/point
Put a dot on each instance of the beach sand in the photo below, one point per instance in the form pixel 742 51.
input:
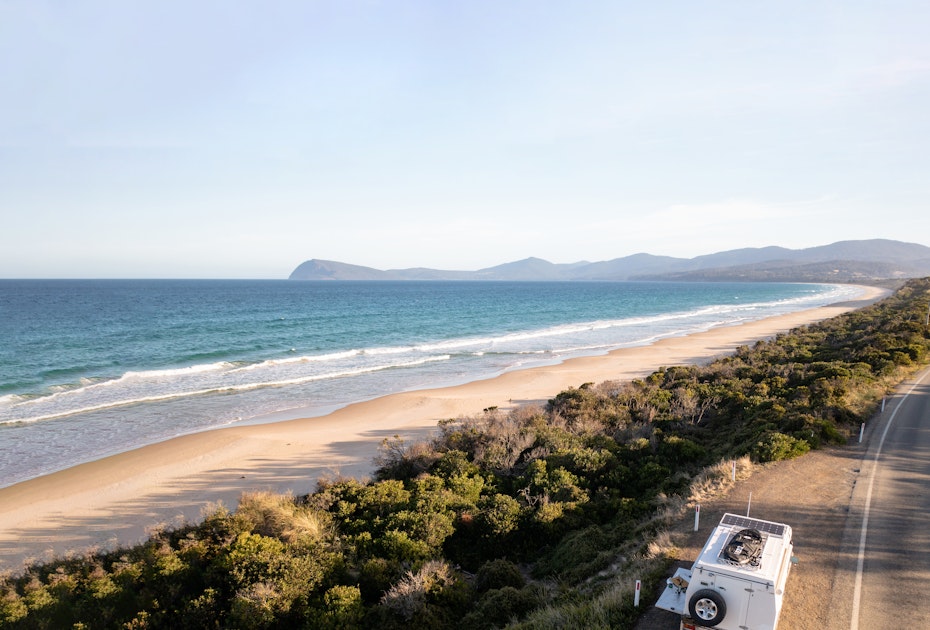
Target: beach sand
pixel 119 500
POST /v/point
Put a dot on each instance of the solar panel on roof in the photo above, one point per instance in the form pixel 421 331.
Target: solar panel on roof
pixel 768 527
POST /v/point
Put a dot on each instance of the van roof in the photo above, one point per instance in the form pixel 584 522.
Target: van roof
pixel 776 538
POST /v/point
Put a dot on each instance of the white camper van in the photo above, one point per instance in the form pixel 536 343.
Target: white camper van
pixel 738 580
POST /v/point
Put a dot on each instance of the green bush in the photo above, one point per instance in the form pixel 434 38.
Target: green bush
pixel 499 515
pixel 498 607
pixel 343 609
pixel 775 446
pixel 375 577
pixel 498 573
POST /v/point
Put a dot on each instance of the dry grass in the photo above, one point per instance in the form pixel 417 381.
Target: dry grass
pixel 661 546
pixel 718 479
pixel 279 516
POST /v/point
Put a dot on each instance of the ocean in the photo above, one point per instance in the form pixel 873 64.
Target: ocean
pixel 89 368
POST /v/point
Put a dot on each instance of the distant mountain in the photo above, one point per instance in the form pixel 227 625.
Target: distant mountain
pixel 845 261
pixel 629 267
pixel 331 270
pixel 528 268
pixel 844 271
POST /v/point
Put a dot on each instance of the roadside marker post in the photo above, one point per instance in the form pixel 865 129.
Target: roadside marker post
pixel 639 585
pixel 861 432
pixel 697 516
pixel 734 470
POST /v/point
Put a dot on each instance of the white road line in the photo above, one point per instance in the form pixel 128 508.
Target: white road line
pixel 857 593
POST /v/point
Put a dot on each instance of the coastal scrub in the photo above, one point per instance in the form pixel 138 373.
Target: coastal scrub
pixel 519 518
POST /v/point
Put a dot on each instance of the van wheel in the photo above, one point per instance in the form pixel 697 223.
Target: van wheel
pixel 708 607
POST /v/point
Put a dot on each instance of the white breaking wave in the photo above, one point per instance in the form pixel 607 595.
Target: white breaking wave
pixel 138 387
pixel 172 395
pixel 319 358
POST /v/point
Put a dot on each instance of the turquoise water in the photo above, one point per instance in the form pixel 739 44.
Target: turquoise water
pixel 90 368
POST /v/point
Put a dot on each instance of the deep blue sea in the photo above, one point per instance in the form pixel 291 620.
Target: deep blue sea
pixel 89 368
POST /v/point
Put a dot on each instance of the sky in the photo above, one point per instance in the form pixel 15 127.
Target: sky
pixel 216 139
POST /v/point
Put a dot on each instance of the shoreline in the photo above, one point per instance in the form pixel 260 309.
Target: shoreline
pixel 118 500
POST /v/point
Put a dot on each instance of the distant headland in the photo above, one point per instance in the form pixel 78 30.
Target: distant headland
pixel 845 261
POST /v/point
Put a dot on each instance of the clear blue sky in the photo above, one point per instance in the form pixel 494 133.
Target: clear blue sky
pixel 238 139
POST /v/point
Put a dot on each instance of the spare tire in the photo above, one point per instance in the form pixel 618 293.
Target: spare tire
pixel 707 607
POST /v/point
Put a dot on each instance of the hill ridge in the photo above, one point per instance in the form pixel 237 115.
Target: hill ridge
pixel 842 261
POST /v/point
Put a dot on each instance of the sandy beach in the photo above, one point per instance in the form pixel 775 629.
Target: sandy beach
pixel 116 501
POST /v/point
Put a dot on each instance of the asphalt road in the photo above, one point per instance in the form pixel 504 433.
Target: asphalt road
pixel 887 546
pixel 879 552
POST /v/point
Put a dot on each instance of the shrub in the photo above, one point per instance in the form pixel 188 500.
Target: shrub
pixel 398 460
pixel 257 606
pixel 499 515
pixel 455 463
pixel 375 577
pixel 774 446
pixel 498 574
pixel 12 607
pixel 498 607
pixel 425 526
pixel 342 609
pixel 398 545
pixel 580 553
pixel 418 591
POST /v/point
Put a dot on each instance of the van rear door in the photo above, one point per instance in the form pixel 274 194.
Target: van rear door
pixel 738 594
